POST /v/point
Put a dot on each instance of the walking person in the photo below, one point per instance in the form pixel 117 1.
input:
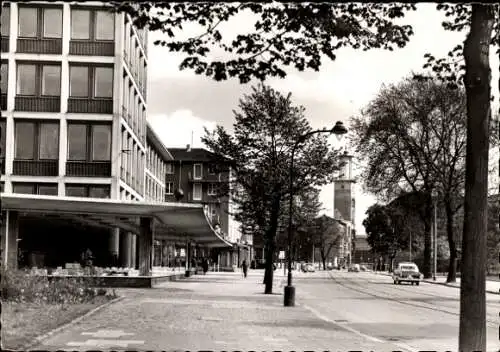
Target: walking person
pixel 205 266
pixel 244 266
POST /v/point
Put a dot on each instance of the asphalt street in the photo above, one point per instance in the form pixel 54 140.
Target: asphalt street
pixel 224 311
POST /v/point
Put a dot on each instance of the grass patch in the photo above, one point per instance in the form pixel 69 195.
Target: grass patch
pixel 23 322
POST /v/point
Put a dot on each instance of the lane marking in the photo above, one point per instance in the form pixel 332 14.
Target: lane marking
pixel 101 342
pixel 113 334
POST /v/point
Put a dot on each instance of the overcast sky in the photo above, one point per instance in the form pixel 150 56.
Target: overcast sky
pixel 180 103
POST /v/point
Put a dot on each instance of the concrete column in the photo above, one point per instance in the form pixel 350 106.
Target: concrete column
pixel 133 251
pixel 125 249
pixel 145 246
pixel 114 245
pixel 188 259
pixel 10 229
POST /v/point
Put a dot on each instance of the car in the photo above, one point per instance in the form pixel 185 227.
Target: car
pixel 407 272
pixel 308 268
pixel 354 268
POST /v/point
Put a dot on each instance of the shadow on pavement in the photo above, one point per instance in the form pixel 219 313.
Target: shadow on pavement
pixel 303 323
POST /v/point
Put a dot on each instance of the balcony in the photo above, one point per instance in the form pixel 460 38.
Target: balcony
pixel 39 46
pixel 3 101
pixel 38 104
pixel 5 44
pixel 88 168
pixel 90 106
pixel 84 47
pixel 36 167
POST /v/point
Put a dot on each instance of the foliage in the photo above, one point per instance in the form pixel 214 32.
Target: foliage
pixel 451 69
pixel 382 227
pixel 326 235
pixel 285 34
pixel 21 286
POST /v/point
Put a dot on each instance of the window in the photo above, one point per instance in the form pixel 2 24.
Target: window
pixel 95 25
pixel 40 22
pixel 4 78
pixel 5 21
pixel 46 189
pixel 197 171
pixel 36 140
pixel 197 191
pixel 2 138
pixel 38 79
pixel 212 169
pixel 92 191
pixel 169 188
pixel 89 142
pixel 169 168
pixel 212 189
pixel 91 81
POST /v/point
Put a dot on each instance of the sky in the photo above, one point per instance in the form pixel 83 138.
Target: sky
pixel 181 103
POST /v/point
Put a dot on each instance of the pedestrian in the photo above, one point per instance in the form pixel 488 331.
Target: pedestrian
pixel 205 266
pixel 244 266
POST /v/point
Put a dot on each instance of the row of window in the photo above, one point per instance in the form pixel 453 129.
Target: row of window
pixel 47 23
pixel 36 140
pixel 134 111
pixel 156 165
pixel 71 189
pixel 198 171
pixel 153 191
pixel 44 79
pixel 132 160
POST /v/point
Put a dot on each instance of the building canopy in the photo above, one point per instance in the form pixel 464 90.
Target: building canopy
pixel 177 222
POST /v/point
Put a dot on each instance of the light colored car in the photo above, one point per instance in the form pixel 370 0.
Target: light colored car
pixel 308 267
pixel 354 268
pixel 407 272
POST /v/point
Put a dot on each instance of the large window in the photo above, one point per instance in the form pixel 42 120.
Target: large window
pixel 197 171
pixel 89 142
pixel 197 191
pixel 169 188
pixel 95 25
pixel 40 22
pixel 46 189
pixel 36 140
pixel 169 168
pixel 5 21
pixel 91 81
pixel 92 191
pixel 38 79
pixel 212 189
pixel 4 78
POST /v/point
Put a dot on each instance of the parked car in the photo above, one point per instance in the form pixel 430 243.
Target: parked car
pixel 307 268
pixel 354 268
pixel 407 272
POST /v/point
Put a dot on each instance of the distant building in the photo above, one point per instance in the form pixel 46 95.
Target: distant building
pixel 344 206
pixel 194 177
pixel 362 253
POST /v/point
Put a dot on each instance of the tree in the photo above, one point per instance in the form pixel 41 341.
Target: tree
pixel 383 229
pixel 412 138
pixel 266 128
pixel 299 34
pixel 326 235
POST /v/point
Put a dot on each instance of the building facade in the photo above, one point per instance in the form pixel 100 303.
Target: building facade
pixel 74 120
pixel 194 177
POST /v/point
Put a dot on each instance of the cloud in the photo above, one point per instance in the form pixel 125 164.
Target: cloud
pixel 180 128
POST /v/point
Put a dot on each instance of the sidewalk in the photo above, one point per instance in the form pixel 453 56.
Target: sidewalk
pixel 491 285
pixel 217 311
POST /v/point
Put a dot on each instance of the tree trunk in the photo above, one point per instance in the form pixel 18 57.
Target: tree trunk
pixel 452 265
pixel 323 258
pixel 427 264
pixel 472 330
pixel 271 237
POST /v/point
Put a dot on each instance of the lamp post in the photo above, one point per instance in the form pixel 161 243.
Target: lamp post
pixel 434 198
pixel 339 130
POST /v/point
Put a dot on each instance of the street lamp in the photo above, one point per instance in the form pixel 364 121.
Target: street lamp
pixel 339 130
pixel 434 198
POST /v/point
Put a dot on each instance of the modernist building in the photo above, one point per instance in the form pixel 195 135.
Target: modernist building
pixel 195 177
pixel 74 109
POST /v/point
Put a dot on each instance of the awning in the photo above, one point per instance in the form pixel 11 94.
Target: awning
pixel 176 221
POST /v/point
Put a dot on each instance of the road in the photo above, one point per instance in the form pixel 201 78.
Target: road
pixel 424 317
pixel 223 311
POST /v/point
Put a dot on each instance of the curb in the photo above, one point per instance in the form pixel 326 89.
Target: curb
pixel 443 284
pixel 37 340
